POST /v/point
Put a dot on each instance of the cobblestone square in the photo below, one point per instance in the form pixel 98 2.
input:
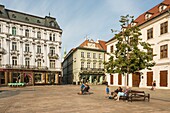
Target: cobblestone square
pixel 64 99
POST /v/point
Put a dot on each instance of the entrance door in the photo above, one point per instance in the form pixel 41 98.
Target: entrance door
pixel 136 79
pixel 119 79
pixel 149 78
pixel 111 79
pixel 163 78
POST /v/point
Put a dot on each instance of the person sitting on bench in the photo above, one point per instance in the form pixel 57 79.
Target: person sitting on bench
pixel 123 93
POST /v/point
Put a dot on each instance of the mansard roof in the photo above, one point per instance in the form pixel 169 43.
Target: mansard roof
pixel 28 18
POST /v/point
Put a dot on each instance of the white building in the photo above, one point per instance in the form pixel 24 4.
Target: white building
pixel 29 48
pixel 155 29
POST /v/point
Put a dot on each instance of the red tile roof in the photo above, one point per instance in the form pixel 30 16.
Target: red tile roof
pixel 153 11
pixel 101 44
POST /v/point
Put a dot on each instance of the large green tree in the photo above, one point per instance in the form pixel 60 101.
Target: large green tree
pixel 131 54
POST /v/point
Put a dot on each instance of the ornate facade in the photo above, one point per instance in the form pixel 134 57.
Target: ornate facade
pixel 29 48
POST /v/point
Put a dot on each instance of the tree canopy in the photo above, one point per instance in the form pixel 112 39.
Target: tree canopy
pixel 131 54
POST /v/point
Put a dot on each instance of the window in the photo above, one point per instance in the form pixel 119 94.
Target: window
pixel 150 52
pixel 27 48
pixel 100 65
pixel 13 30
pixel 14 46
pixel 82 64
pixel 82 54
pixel 26 33
pixel 94 55
pixel 14 61
pixel 88 55
pixel 53 37
pixel 52 50
pixel 150 33
pixel 100 56
pixel 94 65
pixel 39 63
pixel 111 49
pixel 38 49
pixel 52 63
pixel 88 64
pixel 0 60
pixel 164 28
pixel 0 28
pixel 164 51
pixel 27 61
pixel 50 37
pixel 39 35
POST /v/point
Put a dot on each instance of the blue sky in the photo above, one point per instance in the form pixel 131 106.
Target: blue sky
pixel 81 18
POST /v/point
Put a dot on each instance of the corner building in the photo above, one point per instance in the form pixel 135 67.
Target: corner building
pixel 155 28
pixel 29 48
pixel 85 63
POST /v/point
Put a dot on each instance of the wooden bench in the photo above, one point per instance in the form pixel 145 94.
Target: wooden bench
pixel 134 94
pixel 16 84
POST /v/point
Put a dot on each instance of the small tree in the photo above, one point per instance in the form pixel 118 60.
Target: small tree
pixel 131 54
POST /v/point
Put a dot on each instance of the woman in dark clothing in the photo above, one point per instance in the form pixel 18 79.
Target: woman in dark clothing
pixel 119 89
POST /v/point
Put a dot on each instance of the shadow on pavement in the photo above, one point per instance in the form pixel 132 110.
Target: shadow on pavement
pixel 8 93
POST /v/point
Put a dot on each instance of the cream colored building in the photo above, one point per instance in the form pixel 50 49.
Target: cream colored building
pixel 85 63
pixel 30 48
pixel 155 29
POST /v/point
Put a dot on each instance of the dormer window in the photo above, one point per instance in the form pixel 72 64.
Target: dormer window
pixel 162 7
pixel 148 16
pixel 26 19
pixel 52 23
pixel 38 21
pixel 13 16
pixel 133 24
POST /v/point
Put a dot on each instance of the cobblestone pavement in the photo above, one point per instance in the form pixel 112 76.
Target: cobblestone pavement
pixel 64 99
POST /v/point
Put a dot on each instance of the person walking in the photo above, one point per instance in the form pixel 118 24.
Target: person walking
pixel 107 91
pixel 153 85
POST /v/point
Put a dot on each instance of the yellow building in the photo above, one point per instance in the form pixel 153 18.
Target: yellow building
pixel 85 63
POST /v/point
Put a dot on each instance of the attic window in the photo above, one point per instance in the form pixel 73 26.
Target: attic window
pixel 26 19
pixel 148 16
pixel 38 21
pixel 162 7
pixel 13 15
pixel 52 24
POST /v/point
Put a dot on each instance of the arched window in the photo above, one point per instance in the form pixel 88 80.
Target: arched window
pixel 13 30
pixel 26 33
pixel 39 35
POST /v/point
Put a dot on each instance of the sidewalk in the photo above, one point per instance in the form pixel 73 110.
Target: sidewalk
pixel 64 99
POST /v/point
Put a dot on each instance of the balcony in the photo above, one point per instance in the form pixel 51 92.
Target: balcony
pixel 23 67
pixel 29 54
pixel 39 55
pixel 53 56
pixel 2 51
pixel 15 52
pixel 92 71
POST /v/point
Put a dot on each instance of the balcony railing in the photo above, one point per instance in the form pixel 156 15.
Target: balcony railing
pixel 92 70
pixel 53 55
pixel 30 67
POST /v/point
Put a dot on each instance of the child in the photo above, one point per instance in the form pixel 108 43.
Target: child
pixel 107 91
